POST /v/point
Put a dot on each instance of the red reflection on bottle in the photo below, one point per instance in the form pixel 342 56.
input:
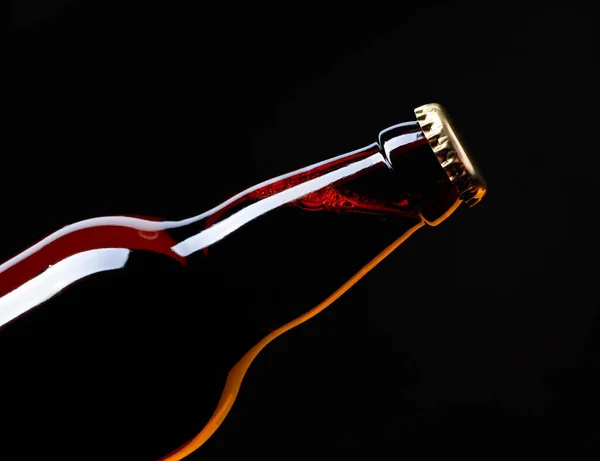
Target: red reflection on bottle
pixel 89 238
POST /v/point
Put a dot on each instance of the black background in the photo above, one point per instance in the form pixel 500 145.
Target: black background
pixel 479 337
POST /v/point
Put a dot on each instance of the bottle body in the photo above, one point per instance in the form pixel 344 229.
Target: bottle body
pixel 130 307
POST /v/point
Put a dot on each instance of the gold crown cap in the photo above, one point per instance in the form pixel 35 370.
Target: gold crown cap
pixel 451 153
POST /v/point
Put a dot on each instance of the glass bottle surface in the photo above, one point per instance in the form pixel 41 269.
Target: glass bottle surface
pixel 176 304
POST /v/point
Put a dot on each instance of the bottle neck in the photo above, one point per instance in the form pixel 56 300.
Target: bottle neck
pixel 419 172
pixel 361 181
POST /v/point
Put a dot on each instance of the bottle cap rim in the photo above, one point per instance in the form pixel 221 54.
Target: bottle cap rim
pixel 450 151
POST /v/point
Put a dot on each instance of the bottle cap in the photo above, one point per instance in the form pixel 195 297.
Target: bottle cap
pixel 450 151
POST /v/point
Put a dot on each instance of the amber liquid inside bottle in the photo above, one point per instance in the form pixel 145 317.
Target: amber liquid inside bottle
pixel 152 338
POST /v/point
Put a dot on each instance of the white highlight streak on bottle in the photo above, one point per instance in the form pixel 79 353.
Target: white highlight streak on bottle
pixel 57 277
